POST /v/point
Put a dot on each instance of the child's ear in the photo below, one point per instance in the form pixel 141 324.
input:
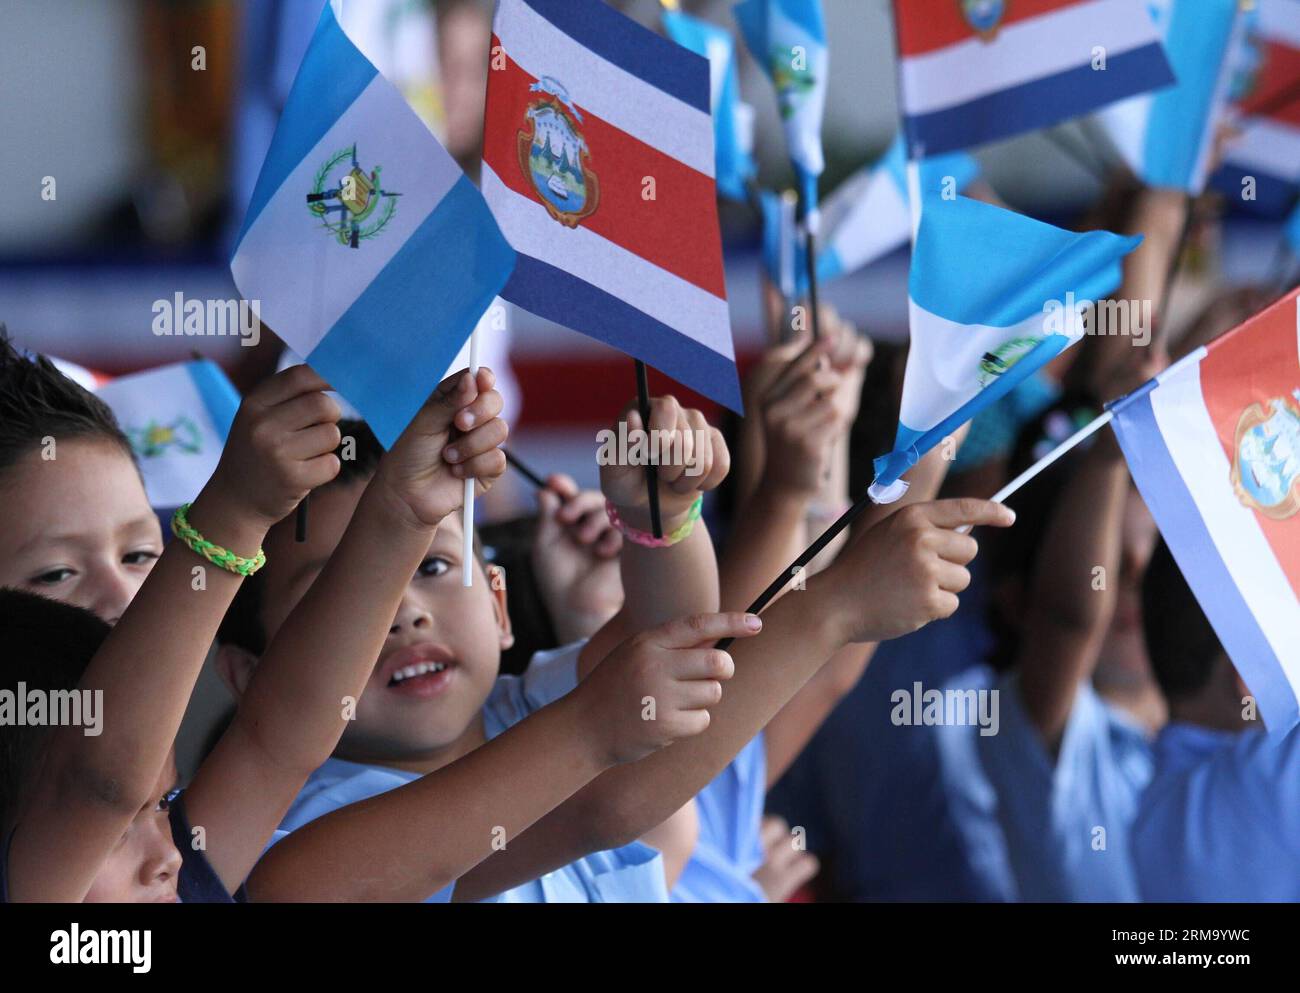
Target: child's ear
pixel 497 584
pixel 235 667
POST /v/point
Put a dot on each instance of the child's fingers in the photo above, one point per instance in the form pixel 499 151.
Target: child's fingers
pixel 699 629
pixel 699 694
pixel 303 411
pixel 318 471
pixel 287 384
pixel 704 663
pixel 487 379
pixel 591 526
pixel 490 465
pixel 721 464
pixel 483 407
pixel 580 506
pixel 967 511
pixel 955 547
pixel 773 831
pixel 952 577
pixel 664 412
pixel 489 435
pixel 610 543
pixel 319 439
pixel 562 485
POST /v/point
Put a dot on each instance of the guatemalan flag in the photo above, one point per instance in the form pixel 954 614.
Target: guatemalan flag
pixel 1265 111
pixel 1214 447
pixel 733 119
pixel 868 216
pixel 364 247
pixel 1168 138
pixel 598 165
pixel 788 39
pixel 975 71
pixel 993 297
pixel 177 418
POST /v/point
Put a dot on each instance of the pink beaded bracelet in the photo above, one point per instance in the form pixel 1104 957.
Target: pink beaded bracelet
pixel 649 540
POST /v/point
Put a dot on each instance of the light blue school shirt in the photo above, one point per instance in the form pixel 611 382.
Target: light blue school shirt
pixel 1220 820
pixel 1052 812
pixel 633 873
pixel 730 846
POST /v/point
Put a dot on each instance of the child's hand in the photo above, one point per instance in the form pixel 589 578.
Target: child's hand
pixel 801 421
pixel 785 868
pixel 456 434
pixel 657 686
pixel 575 559
pixel 693 459
pixel 907 570
pixel 281 445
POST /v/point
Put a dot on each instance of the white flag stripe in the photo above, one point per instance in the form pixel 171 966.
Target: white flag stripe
pixel 867 219
pixel 1267 146
pixel 602 88
pixel 1189 434
pixel 308 298
pixel 1279 20
pixel 1044 46
pixel 944 360
pixel 667 298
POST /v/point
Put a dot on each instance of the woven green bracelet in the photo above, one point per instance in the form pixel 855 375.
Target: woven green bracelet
pixel 218 556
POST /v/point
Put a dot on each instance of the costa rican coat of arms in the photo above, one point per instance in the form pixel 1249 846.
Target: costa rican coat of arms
pixel 1266 457
pixel 554 155
pixel 154 439
pixel 350 202
pixel 985 16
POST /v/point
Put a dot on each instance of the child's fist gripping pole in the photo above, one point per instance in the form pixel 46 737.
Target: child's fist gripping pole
pixel 690 455
pixel 456 436
pixel 907 570
pixel 657 687
pixel 281 445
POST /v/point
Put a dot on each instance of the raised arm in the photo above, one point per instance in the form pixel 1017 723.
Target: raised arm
pixel 326 649
pixel 90 789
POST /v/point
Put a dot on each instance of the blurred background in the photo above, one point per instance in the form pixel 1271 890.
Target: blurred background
pixel 132 131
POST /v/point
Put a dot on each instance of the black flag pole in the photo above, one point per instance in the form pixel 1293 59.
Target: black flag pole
pixel 651 473
pixel 522 468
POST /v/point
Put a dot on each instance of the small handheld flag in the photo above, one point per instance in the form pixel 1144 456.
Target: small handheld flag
pixel 177 418
pixel 993 296
pixel 788 39
pixel 598 165
pixel 868 215
pixel 733 119
pixel 345 243
pixel 1167 138
pixel 1213 444
pixel 1261 161
pixel 972 73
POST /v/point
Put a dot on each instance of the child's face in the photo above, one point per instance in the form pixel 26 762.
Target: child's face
pixel 78 527
pixel 403 714
pixel 143 867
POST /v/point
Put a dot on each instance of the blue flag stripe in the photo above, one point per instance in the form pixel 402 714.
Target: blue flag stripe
pixel 218 394
pixel 616 38
pixel 555 295
pixel 390 329
pixel 1176 513
pixel 332 75
pixel 1037 104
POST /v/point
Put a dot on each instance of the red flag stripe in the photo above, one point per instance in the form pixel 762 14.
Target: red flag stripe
pixel 1256 364
pixel 1278 75
pixel 927 25
pixel 684 198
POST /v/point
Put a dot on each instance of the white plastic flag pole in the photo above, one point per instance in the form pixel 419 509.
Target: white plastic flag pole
pixel 1085 432
pixel 914 194
pixel 467 553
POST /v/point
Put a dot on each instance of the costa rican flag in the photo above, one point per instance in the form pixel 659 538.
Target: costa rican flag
pixel 598 164
pixel 975 71
pixel 1214 446
pixel 177 418
pixel 1265 111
